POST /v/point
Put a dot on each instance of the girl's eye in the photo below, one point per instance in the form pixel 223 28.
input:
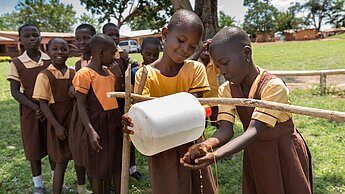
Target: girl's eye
pixel 180 41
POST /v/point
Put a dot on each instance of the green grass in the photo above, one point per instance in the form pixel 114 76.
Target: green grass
pixel 341 36
pixel 325 138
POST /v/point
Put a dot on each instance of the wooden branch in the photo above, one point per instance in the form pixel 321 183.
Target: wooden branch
pixel 314 112
pixel 309 73
pixel 126 144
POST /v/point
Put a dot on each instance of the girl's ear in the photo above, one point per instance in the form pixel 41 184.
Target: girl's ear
pixel 165 32
pixel 247 51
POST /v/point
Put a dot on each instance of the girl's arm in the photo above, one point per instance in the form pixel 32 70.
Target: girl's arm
pixel 60 131
pixel 232 147
pixel 93 136
pixel 22 99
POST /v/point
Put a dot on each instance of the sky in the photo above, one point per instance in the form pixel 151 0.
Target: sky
pixel 233 8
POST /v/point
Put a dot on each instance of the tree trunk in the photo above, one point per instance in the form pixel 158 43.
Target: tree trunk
pixel 207 10
pixel 181 4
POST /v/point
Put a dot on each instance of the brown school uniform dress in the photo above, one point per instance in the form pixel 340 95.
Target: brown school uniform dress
pixel 105 118
pixel 76 128
pixel 25 70
pixel 53 86
pixel 278 161
pixel 167 174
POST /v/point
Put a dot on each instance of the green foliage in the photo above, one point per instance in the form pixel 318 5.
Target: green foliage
pixel 90 19
pixel 125 11
pixel 288 19
pixel 9 21
pixel 51 16
pixel 225 20
pixel 318 11
pixel 336 15
pixel 260 17
pixel 4 58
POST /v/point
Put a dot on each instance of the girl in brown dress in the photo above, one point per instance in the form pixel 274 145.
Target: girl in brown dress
pixel 52 90
pixel 276 158
pixel 83 35
pixel 22 73
pixel 100 115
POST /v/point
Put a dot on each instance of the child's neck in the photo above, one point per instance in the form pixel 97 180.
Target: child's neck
pixel 168 67
pixel 86 56
pixel 97 66
pixel 249 79
pixel 34 54
pixel 61 67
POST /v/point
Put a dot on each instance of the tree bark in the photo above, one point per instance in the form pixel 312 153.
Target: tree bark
pixel 207 10
pixel 181 4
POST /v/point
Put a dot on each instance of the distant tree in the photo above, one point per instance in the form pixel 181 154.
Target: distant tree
pixel 48 16
pixel 260 18
pixel 90 19
pixel 9 21
pixel 317 12
pixel 336 14
pixel 288 20
pixel 225 20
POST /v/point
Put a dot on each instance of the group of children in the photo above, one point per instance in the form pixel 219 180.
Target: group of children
pixel 64 112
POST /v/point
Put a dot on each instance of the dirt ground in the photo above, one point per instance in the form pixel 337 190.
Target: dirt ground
pixel 303 82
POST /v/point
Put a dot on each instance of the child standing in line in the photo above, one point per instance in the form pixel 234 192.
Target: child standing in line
pixel 52 91
pixel 121 57
pixel 150 48
pixel 276 158
pixel 100 115
pixel 168 75
pixel 83 34
pixel 22 73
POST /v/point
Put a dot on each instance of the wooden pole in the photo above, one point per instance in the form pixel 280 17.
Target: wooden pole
pixel 323 78
pixel 314 112
pixel 126 143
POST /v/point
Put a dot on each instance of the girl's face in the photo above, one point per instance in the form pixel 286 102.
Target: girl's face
pixel 180 42
pixel 58 51
pixel 113 32
pixel 30 38
pixel 83 37
pixel 107 55
pixel 231 61
pixel 150 53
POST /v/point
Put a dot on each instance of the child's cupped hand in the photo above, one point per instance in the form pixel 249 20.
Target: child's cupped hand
pixel 197 157
pixel 95 141
pixel 127 122
pixel 61 132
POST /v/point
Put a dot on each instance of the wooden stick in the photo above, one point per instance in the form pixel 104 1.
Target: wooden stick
pixel 314 112
pixel 126 144
pixel 309 73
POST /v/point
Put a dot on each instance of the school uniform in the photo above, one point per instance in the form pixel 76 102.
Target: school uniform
pixel 278 161
pixel 167 174
pixel 76 128
pixel 212 71
pixel 105 118
pixel 81 63
pixel 53 86
pixel 25 70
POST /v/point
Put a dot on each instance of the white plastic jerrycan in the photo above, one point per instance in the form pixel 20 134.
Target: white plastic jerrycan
pixel 166 122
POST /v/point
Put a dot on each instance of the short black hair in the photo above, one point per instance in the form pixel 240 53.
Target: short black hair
pixel 100 41
pixel 55 38
pixel 109 25
pixel 150 40
pixel 184 16
pixel 27 25
pixel 233 36
pixel 87 26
